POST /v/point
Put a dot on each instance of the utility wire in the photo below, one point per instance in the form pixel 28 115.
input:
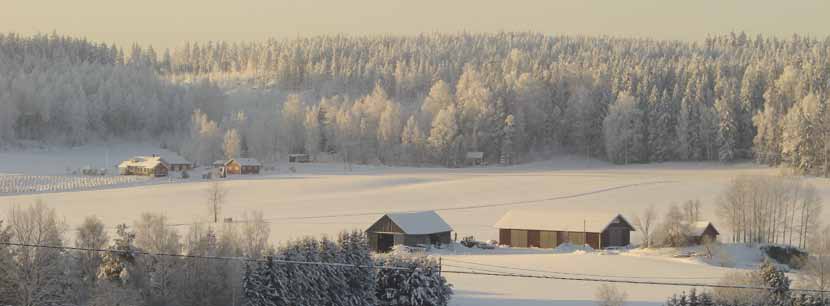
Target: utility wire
pixel 572 274
pixel 225 258
pixel 676 284
pixel 473 271
pixel 478 206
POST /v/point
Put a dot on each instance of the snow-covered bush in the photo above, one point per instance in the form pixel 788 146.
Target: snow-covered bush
pixel 610 295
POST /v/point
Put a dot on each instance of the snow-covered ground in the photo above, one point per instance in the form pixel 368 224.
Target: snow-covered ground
pixel 323 199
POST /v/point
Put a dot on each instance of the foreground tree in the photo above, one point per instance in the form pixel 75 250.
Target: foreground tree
pixel 36 274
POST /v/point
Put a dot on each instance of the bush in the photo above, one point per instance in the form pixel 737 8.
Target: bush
pixel 786 255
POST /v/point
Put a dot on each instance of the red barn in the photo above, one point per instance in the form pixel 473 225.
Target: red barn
pixel 545 228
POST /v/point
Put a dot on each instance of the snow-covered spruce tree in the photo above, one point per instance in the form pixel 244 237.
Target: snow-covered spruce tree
pixel 256 287
pixel 420 285
pixel 119 277
pixel 361 281
pixel 777 281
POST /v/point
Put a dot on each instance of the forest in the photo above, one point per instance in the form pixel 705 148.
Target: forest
pixel 431 98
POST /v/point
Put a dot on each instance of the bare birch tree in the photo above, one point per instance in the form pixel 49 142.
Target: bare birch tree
pixel 645 222
pixel 216 194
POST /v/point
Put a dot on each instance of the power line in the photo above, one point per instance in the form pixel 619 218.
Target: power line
pixel 473 271
pixel 676 284
pixel 573 274
pixel 186 256
pixel 478 206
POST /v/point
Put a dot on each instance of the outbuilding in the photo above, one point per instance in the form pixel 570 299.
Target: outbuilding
pixel 243 166
pixel 144 165
pixel 702 231
pixel 474 158
pixel 178 163
pixel 299 158
pixel 410 229
pixel 545 228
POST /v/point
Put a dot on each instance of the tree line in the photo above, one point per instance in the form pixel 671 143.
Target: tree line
pixel 429 99
pixel 53 276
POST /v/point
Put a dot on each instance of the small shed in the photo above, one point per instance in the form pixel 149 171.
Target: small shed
pixel 702 231
pixel 145 166
pixel 243 166
pixel 178 163
pixel 545 228
pixel 410 229
pixel 299 158
pixel 474 158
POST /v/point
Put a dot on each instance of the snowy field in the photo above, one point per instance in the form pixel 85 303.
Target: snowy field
pixel 323 199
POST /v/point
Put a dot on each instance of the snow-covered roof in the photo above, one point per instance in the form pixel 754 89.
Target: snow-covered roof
pixel 245 161
pixel 558 220
pixel 420 223
pixel 696 229
pixel 149 162
pixel 220 162
pixel 175 159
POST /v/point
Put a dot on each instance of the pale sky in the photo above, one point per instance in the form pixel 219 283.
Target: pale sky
pixel 169 23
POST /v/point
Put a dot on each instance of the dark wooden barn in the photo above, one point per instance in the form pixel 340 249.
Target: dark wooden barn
pixel 410 229
pixel 702 231
pixel 550 228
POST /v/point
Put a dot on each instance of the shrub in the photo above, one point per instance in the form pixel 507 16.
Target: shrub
pixel 786 255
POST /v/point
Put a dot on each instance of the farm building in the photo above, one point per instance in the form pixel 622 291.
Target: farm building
pixel 702 231
pixel 144 165
pixel 549 228
pixel 410 229
pixel 178 163
pixel 243 166
pixel 474 158
pixel 299 158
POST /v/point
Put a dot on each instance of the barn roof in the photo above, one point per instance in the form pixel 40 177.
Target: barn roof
pixel 698 228
pixel 245 162
pixel 149 162
pixel 175 159
pixel 420 223
pixel 559 220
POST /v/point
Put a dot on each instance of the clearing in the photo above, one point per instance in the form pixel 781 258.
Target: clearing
pixel 323 199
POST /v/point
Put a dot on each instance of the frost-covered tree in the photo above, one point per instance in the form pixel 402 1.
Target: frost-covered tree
pixel 444 135
pixel 292 128
pixel 90 235
pixel 152 234
pixel 622 128
pixel 413 141
pixel 36 274
pixel 232 144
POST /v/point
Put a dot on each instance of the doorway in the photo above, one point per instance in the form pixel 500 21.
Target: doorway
pixel 385 242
